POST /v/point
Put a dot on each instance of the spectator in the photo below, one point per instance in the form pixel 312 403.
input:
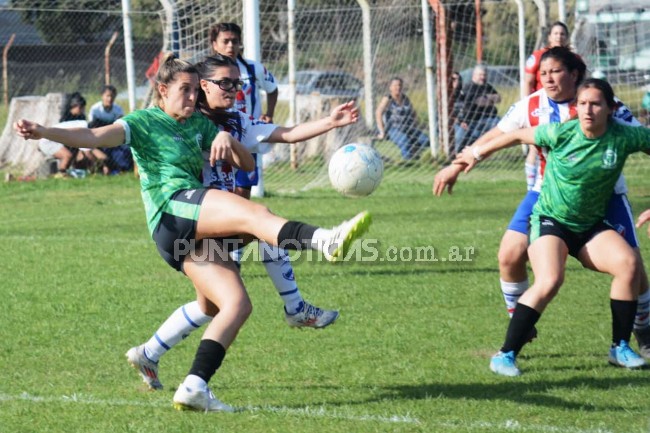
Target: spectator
pixel 458 96
pixel 103 113
pixel 645 109
pixel 106 110
pixel 479 113
pixel 63 155
pixel 398 121
pixel 84 158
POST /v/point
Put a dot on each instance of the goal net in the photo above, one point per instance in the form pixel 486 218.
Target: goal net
pixel 331 62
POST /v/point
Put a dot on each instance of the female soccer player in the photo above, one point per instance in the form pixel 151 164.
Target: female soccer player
pixel 219 81
pixel 585 158
pixel 561 71
pixel 184 217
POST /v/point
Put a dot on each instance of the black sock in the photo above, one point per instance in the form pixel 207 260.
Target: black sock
pixel 522 322
pixel 623 313
pixel 295 235
pixel 208 359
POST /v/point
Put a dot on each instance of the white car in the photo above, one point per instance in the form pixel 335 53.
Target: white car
pixel 326 83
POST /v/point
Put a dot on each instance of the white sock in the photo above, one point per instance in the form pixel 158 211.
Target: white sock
pixel 642 318
pixel 179 325
pixel 320 238
pixel 280 271
pixel 195 382
pixel 512 292
pixel 531 175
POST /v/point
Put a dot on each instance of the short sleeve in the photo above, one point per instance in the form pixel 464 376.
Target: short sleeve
pixel 265 78
pixel 546 135
pixel 515 118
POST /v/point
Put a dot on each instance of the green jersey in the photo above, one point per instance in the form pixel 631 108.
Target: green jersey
pixel 581 172
pixel 168 155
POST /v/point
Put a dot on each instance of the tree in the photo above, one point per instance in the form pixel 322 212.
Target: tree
pixel 71 22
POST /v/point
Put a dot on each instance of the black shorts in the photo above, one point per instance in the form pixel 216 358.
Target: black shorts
pixel 174 236
pixel 544 226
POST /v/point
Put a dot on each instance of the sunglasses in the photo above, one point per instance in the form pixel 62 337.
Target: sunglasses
pixel 227 84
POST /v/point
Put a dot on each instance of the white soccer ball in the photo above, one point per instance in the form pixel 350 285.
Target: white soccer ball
pixel 356 170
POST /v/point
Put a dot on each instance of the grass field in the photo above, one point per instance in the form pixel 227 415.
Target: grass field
pixel 82 282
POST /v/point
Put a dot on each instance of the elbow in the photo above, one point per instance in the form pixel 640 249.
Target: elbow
pixel 247 163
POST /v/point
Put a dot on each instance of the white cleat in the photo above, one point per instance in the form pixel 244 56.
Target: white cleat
pixel 199 400
pixel 147 369
pixel 310 316
pixel 336 248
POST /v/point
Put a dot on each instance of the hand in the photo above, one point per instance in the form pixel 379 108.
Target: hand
pixel 381 136
pixel 466 159
pixel 445 179
pixel 266 118
pixel 28 129
pixel 344 114
pixel 221 148
pixel 643 218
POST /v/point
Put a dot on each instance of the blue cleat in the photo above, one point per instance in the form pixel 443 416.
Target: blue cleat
pixel 623 356
pixel 504 364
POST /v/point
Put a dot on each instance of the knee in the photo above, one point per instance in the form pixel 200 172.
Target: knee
pixel 546 287
pixel 628 266
pixel 510 258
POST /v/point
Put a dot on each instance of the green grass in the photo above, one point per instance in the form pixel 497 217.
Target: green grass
pixel 82 282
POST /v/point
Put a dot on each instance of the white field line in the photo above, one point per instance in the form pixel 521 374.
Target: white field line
pixel 321 412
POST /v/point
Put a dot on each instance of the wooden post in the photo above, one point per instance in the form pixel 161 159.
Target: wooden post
pixel 5 76
pixel 107 59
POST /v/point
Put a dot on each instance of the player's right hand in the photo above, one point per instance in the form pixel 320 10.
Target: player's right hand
pixel 445 179
pixel 643 218
pixel 28 130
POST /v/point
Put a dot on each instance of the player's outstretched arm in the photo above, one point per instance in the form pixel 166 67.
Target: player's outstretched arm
pixel 106 136
pixel 470 156
pixel 226 147
pixel 643 218
pixel 343 115
pixel 446 178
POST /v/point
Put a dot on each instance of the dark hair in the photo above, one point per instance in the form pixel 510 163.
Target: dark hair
pixel 73 100
pixel 234 28
pixel 170 67
pixel 224 27
pixel 603 86
pixel 561 24
pixel 396 78
pixel 109 88
pixel 225 118
pixel 569 59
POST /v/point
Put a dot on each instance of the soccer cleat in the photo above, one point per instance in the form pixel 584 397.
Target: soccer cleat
pixel 147 369
pixel 623 356
pixel 504 364
pixel 309 316
pixel 643 338
pixel 200 400
pixel 336 248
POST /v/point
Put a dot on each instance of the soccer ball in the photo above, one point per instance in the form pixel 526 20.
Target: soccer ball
pixel 356 170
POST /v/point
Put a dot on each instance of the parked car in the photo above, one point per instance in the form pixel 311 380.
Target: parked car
pixel 506 76
pixel 326 83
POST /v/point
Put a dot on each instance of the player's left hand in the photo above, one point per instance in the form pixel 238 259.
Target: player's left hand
pixel 344 114
pixel 221 148
pixel 643 218
pixel 266 118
